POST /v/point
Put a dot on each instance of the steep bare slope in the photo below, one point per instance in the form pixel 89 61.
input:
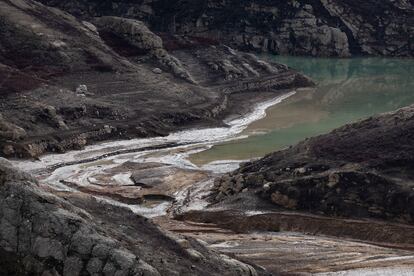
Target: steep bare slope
pixel 359 170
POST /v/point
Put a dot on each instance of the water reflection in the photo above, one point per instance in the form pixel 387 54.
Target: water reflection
pixel 330 69
pixel 348 90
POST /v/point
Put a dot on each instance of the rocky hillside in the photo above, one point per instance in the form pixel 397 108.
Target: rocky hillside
pixel 67 82
pixel 295 27
pixel 86 71
pixel 45 234
pixel 364 169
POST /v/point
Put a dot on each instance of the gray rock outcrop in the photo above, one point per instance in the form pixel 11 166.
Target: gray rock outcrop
pixel 295 27
pixel 10 131
pixel 43 234
pixel 300 27
pixel 360 170
pixel 138 35
pixel 49 49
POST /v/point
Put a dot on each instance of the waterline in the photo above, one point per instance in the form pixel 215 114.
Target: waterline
pixel 195 140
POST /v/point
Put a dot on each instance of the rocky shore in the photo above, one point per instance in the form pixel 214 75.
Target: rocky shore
pixel 75 73
pixel 86 72
pixel 73 82
pixel 361 170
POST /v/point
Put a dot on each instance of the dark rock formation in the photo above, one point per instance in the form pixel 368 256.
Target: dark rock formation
pixel 43 234
pixel 45 41
pixel 359 170
pixel 298 27
pixel 66 82
pixel 136 34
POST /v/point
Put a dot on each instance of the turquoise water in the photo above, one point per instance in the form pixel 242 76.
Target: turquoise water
pixel 347 90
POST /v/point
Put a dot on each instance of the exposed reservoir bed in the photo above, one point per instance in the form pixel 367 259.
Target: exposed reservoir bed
pixel 347 90
pixel 155 177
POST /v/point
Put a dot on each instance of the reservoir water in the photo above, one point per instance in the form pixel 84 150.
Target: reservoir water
pixel 347 90
pixel 186 162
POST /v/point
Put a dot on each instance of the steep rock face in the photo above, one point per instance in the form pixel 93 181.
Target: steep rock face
pixel 141 10
pixel 360 170
pixel 307 27
pixel 298 27
pixel 377 27
pixel 284 27
pixel 42 234
pixel 137 34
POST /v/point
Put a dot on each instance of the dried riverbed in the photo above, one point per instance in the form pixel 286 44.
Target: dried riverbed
pixel 166 176
pixel 154 178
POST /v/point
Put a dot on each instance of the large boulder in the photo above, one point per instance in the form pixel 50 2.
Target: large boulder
pixel 137 34
pixel 10 131
pixel 133 31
